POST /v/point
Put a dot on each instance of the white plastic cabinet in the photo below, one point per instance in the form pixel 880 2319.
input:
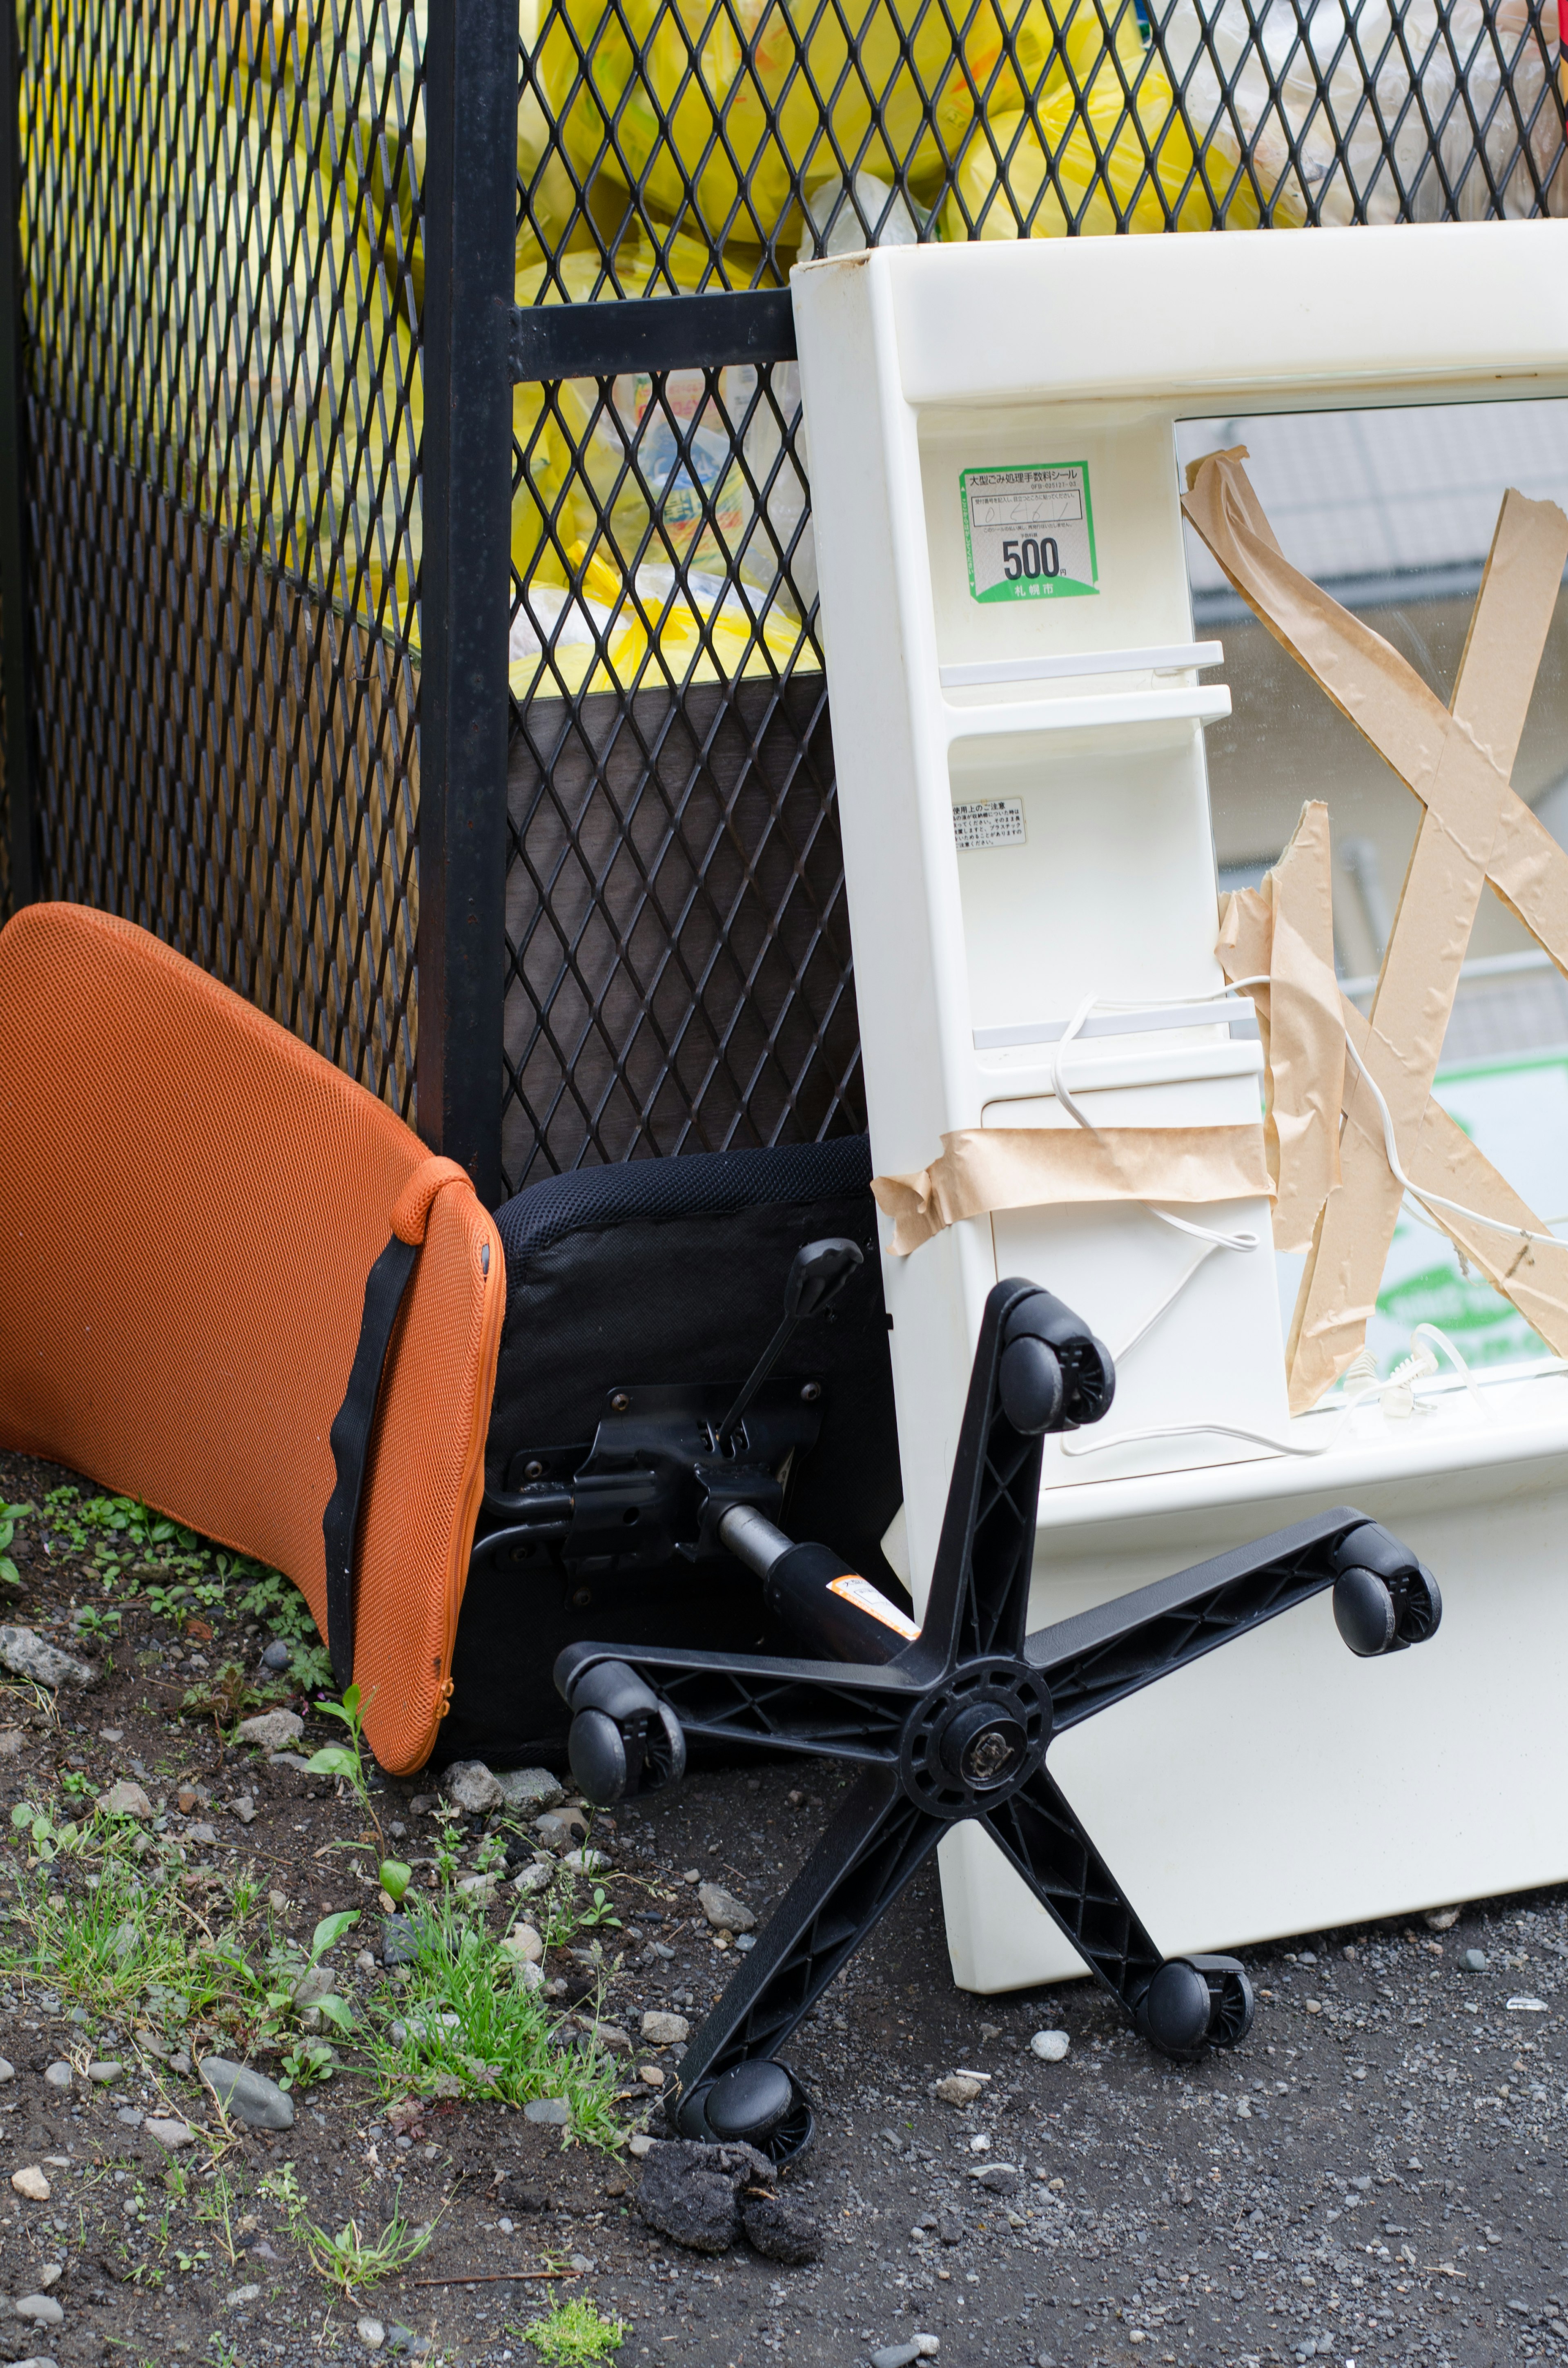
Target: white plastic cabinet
pixel 1019 699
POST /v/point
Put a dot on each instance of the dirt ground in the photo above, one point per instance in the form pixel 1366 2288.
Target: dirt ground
pixel 1377 2173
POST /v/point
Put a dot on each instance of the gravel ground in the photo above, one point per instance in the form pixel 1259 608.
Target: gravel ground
pixel 1376 2173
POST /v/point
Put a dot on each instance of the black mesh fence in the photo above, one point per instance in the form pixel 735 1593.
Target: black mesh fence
pixel 225 209
pixel 221 500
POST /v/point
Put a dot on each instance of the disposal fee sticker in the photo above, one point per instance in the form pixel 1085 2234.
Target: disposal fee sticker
pixel 989 822
pixel 1029 532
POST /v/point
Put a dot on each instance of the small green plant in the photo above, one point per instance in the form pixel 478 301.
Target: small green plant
pixel 574 2335
pixel 9 1516
pixel 288 1991
pixel 349 2259
pixel 308 2061
pixel 395 1877
pixel 94 1623
pixel 465 2026
pixel 347 1759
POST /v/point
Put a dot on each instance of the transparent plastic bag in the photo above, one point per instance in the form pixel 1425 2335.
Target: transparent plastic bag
pixel 1360 95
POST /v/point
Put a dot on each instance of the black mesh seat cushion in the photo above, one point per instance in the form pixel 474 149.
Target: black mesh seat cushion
pixel 667 1271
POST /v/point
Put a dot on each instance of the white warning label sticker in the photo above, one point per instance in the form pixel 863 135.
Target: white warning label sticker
pixel 1028 534
pixel 867 1598
pixel 989 822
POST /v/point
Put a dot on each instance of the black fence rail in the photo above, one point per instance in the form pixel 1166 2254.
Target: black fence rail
pixel 406 577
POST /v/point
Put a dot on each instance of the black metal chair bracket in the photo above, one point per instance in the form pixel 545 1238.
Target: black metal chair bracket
pixel 955 1722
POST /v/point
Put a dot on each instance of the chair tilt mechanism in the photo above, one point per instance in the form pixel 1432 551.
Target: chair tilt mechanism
pixel 950 1722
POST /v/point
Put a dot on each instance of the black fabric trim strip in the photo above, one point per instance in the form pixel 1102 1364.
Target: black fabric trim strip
pixel 384 1288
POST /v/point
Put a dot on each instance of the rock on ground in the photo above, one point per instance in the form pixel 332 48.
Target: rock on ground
pixel 959 2088
pixel 723 1910
pixel 662 2030
pixel 125 1800
pixel 529 1788
pixel 271 1730
pixel 250 2096
pixel 25 1655
pixel 470 1787
pixel 31 2182
pixel 167 2131
pixel 42 2309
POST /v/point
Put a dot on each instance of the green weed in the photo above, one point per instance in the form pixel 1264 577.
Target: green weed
pixel 574 2335
pixel 470 2029
pixel 9 1516
pixel 350 2258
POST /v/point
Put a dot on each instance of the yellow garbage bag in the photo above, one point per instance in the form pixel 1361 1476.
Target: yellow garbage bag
pixel 1105 150
pixel 649 481
pixel 719 115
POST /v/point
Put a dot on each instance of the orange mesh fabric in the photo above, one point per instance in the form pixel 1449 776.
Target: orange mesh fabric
pixel 190 1200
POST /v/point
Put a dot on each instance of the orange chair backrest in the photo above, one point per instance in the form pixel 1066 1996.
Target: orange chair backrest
pixel 190 1200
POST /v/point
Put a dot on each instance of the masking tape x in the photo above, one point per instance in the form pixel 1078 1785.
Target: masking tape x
pixel 1474 829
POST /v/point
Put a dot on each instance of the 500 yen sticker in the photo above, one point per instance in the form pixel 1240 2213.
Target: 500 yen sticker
pixel 1029 532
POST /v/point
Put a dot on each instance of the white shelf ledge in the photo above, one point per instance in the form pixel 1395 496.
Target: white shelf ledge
pixel 1175 657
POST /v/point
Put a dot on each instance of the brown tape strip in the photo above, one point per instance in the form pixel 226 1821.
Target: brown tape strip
pixel 986 1168
pixel 1457 762
pixel 1286 930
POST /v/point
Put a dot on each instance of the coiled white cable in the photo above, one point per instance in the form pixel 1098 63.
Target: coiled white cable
pixel 1396 1392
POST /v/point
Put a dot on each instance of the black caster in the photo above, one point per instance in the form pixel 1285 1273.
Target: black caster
pixel 1194 2004
pixel 759 2103
pixel 1383 1599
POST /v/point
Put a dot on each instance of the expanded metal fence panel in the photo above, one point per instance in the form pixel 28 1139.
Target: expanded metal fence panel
pixel 679 971
pixel 221 309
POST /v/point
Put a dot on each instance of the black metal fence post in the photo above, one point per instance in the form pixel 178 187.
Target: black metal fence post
pixel 470 210
pixel 15 621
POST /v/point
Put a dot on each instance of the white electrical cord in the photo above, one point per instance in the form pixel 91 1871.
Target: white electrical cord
pixel 1211 1240
pixel 1397 1391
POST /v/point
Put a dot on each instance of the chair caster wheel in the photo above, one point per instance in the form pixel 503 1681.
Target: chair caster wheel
pixel 1196 2003
pixel 757 2104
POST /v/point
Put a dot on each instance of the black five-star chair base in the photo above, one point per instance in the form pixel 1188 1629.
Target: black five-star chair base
pixel 957 1723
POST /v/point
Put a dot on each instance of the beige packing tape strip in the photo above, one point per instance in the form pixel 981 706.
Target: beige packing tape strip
pixel 983 1169
pixel 1286 930
pixel 1458 763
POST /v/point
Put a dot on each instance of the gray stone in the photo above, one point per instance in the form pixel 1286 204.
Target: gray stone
pixel 105 2074
pixel 243 1807
pixel 780 2231
pixel 132 2116
pixel 662 2030
pixel 723 1910
pixel 42 2309
pixel 1476 1961
pixel 277 1655
pixel 250 2096
pixel 529 1788
pixel 960 2089
pixel 59 2075
pixel 25 1655
pixel 950 2228
pixel 999 2178
pixel 470 1787
pixel 8 2071
pixel 1050 2046
pixel 125 1800
pixel 400 1940
pixel 689 2192
pixel 554 2112
pixel 271 1730
pixel 560 1829
pixel 534 1878
pixel 241 2295
pixel 896 2355
pixel 203 1837
pixel 291 1759
pixel 371 2333
pixel 168 2132
pixel 38 2359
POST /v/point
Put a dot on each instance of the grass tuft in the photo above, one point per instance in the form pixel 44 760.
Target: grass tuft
pixel 470 2028
pixel 574 2335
